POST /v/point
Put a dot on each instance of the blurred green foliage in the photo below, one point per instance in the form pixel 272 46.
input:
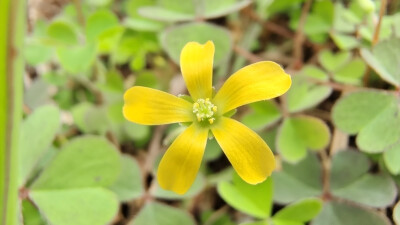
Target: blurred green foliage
pixel 336 133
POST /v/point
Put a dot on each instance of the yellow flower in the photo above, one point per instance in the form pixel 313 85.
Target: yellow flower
pixel 249 155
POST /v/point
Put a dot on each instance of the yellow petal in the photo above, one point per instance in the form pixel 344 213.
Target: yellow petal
pixel 152 107
pixel 249 155
pixel 179 166
pixel 256 82
pixel 197 67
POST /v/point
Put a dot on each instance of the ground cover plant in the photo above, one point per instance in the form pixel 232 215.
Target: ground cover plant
pixel 73 151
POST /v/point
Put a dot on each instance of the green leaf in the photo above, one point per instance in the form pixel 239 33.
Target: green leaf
pixel 297 134
pixel 96 120
pixel 264 114
pixel 128 185
pixel 319 22
pixel 78 114
pixel 109 39
pixel 274 7
pixel 396 213
pixel 159 214
pixel 86 161
pixel 37 94
pixel 347 166
pixel 114 82
pixel 77 59
pixel 371 113
pixel 131 6
pixel 305 176
pixel 314 72
pixel 137 132
pixel 147 79
pixel 344 22
pixel 303 94
pixel 31 215
pixel 95 206
pixel 333 61
pixel 372 190
pixel 344 42
pixel 197 186
pixel 213 150
pixel 349 180
pixel 137 22
pixel 351 73
pixel 175 38
pixel 341 213
pixel 33 144
pixel 255 200
pixel 256 223
pixel 214 9
pixel 175 10
pixel 300 211
pixel 98 3
pixel 165 15
pixel 62 33
pixel 99 22
pixel 392 158
pixel 36 53
pixel 178 6
pixel 384 59
pixel 143 24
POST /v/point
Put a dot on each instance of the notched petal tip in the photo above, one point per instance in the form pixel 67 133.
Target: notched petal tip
pixel 197 65
pixel 180 164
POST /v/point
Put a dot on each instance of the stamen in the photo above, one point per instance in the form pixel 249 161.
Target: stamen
pixel 204 110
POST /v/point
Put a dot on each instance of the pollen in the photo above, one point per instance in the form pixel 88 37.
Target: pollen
pixel 204 110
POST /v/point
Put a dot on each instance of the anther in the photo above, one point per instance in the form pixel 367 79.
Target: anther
pixel 204 110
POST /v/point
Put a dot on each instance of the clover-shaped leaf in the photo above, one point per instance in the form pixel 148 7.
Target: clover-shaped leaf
pixel 305 176
pixel 99 22
pixel 87 205
pixel 195 189
pixel 70 168
pixel 264 113
pixel 175 10
pixel 255 200
pixel 351 73
pixel 128 185
pixel 33 144
pixel 373 115
pixel 155 213
pixel 350 180
pixel 61 33
pixel 333 61
pixel 345 41
pixel 304 94
pixel 341 213
pixel 77 59
pixel 297 134
pixel 392 158
pixel 77 177
pixel 385 59
pixel 174 38
pixel 298 212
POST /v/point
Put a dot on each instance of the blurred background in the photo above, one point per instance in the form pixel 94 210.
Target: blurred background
pixel 335 133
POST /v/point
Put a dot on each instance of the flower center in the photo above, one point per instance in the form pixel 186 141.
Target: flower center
pixel 204 110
